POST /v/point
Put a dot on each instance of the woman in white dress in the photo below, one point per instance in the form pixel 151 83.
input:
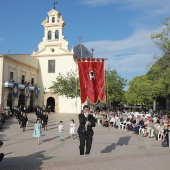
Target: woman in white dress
pixel 72 128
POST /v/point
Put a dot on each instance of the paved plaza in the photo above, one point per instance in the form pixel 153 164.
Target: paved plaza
pixel 112 149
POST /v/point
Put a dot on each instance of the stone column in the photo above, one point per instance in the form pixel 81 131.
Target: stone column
pixel 5 98
pixel 4 102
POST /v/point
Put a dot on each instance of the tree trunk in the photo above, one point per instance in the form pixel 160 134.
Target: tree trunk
pixel 167 105
pixel 154 104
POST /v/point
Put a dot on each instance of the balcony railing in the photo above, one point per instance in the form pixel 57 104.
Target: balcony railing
pixel 9 84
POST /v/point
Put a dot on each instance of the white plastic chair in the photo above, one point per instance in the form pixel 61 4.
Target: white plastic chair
pixel 160 133
pixel 150 132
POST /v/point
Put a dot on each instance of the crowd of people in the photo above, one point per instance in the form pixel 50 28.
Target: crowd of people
pixel 148 125
pixel 22 118
pixel 5 114
pixel 139 123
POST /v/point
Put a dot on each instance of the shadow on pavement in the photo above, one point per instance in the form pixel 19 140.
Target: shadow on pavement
pixel 122 141
pixel 109 148
pixel 46 140
pixel 164 144
pixel 33 161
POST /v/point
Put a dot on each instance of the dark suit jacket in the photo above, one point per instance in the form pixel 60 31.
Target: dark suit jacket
pixel 82 121
pixel 45 119
pixel 24 120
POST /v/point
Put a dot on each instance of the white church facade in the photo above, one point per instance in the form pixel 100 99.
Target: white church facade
pixel 40 70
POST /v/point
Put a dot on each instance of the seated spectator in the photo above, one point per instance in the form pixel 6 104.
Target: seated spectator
pixel 128 123
pixel 98 117
pixel 158 130
pixel 149 129
pixel 112 121
pixel 137 127
pixel 105 123
pixel 117 121
pixel 166 130
pixel 131 124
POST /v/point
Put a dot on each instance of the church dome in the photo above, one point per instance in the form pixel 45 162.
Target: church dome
pixel 80 51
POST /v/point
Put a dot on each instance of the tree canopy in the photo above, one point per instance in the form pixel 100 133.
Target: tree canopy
pixel 139 92
pixel 66 85
pixel 162 38
pixel 115 86
pixel 156 83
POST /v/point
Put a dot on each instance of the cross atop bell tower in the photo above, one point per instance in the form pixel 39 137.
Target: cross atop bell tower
pixel 55 4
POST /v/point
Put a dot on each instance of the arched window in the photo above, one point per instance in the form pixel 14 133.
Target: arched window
pixel 56 34
pixel 49 35
pixel 53 19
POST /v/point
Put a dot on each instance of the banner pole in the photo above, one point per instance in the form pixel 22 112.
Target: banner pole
pixel 76 87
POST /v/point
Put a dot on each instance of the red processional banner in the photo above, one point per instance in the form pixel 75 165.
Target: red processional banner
pixel 92 80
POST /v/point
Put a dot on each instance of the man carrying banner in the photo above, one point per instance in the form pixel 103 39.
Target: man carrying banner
pixel 85 131
pixel 92 88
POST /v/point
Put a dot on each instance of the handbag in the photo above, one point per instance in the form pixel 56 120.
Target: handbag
pixel 21 125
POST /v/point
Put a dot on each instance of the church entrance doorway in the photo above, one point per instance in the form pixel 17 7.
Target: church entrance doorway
pixel 51 103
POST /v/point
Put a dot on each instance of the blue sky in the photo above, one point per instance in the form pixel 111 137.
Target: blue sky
pixel 118 30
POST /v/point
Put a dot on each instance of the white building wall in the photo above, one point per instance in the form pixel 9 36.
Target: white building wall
pixel 69 105
pixel 63 65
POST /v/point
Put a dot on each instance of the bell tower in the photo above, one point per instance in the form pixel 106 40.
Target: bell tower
pixel 53 40
pixel 54 58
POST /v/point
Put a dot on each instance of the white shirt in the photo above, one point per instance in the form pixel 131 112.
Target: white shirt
pixel 112 119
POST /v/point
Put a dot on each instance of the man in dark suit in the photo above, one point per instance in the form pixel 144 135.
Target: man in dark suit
pixel 85 131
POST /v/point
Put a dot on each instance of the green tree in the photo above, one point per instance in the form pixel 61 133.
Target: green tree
pixel 162 38
pixel 139 92
pixel 162 41
pixel 66 85
pixel 158 77
pixel 114 87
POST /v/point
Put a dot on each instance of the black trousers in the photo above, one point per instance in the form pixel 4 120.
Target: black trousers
pixel 85 140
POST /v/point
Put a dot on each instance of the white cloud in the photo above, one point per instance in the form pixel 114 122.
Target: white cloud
pixel 134 63
pixel 130 56
pixel 127 56
pixel 151 7
pixel 99 2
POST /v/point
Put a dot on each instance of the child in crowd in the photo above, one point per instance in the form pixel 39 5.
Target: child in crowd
pixel 72 128
pixel 37 131
pixel 61 130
